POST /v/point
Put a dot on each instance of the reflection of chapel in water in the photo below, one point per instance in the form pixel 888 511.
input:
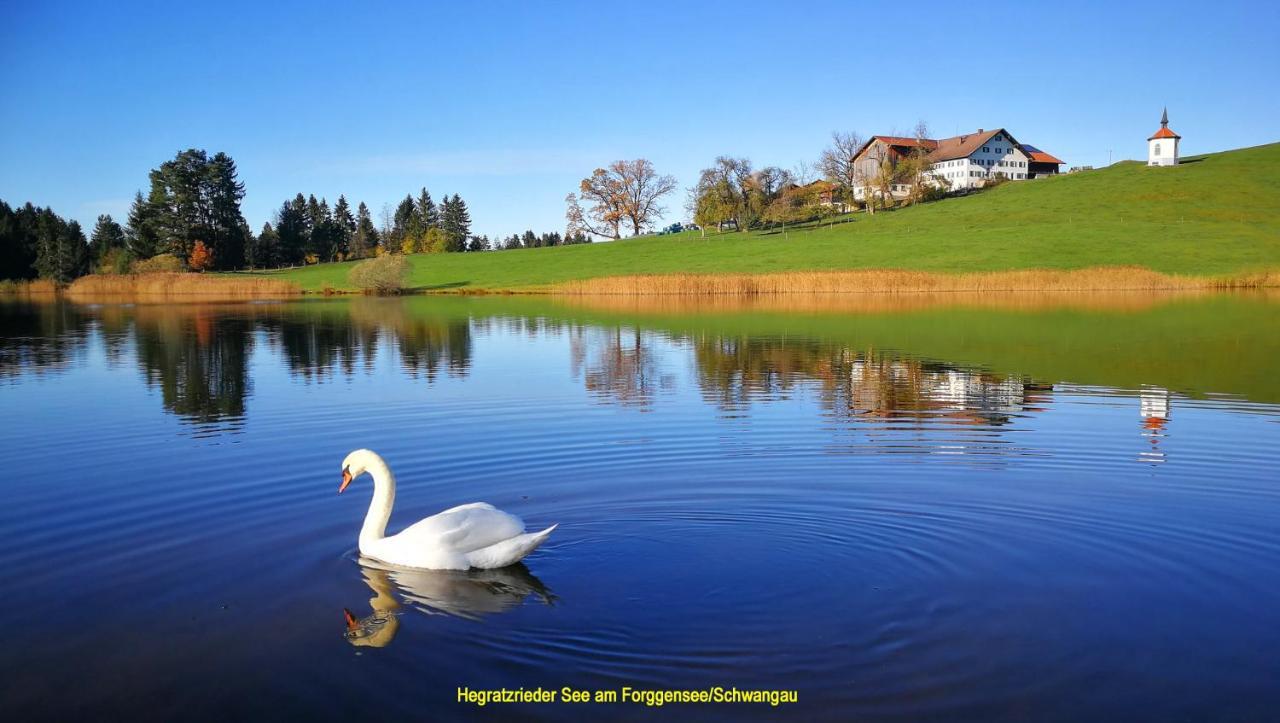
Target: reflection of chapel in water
pixel 1154 407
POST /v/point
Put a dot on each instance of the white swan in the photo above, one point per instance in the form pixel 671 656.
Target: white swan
pixel 474 535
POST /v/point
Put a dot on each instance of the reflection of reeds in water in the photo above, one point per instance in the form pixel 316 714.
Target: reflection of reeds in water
pixel 111 287
pixel 873 303
pixel 893 281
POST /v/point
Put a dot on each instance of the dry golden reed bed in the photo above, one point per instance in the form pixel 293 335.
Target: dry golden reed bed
pixel 873 303
pixel 1102 278
pixel 35 287
pixel 191 287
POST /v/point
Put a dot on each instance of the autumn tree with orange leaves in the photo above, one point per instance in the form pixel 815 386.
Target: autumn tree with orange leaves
pixel 200 258
pixel 625 192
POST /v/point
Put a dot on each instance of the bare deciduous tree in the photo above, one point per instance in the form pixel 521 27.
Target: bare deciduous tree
pixel 625 191
pixel 642 187
pixel 839 161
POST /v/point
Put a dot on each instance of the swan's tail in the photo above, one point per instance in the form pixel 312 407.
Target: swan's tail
pixel 509 551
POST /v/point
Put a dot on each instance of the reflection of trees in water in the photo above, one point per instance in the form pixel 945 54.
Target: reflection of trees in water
pixel 427 346
pixel 198 358
pixel 427 343
pixel 733 372
pixel 618 364
pixel 40 337
pixel 317 343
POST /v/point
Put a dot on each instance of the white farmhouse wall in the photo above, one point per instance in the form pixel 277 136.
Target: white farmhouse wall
pixel 998 155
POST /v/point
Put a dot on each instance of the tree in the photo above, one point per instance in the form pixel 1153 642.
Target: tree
pixel 406 222
pixel 530 240
pixel 192 197
pixel 344 226
pixel 916 169
pixel 266 249
pixel 225 224
pixel 365 239
pixel 201 258
pixel 478 243
pixel 642 187
pixel 107 252
pixel 731 190
pixel 428 214
pixel 624 191
pixel 512 242
pixel 291 227
pixel 61 251
pixel 107 236
pixel 839 162
pixel 18 241
pixel 455 221
pixel 142 237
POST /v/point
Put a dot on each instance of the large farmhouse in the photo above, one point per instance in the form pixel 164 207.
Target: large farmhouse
pixel 961 162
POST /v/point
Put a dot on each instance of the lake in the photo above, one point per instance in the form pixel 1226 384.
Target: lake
pixel 949 507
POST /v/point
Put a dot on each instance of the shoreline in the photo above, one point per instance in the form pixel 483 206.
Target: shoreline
pixel 210 287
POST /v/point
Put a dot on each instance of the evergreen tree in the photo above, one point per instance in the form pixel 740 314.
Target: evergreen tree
pixel 142 237
pixel 107 236
pixel 364 241
pixel 345 226
pixel 61 251
pixel 225 225
pixel 292 231
pixel 193 198
pixel 531 240
pixel 456 223
pixel 18 241
pixel 428 214
pixel 406 222
pixel 266 248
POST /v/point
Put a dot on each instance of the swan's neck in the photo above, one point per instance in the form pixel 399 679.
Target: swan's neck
pixel 384 496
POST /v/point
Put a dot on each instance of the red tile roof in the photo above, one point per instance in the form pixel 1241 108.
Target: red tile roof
pixel 1038 156
pixel 1164 132
pixel 962 146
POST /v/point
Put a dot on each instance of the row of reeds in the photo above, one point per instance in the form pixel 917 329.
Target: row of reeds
pixel 1101 278
pixel 871 303
pixel 34 287
pixel 186 286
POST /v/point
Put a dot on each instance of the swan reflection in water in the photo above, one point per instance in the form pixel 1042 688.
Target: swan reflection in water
pixel 469 594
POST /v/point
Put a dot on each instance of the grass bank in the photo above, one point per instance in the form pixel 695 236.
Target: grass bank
pixel 1215 216
pixel 189 287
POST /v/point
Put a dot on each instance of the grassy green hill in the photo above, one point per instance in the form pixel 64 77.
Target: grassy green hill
pixel 1214 214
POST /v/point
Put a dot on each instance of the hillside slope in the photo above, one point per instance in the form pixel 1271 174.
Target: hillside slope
pixel 1214 214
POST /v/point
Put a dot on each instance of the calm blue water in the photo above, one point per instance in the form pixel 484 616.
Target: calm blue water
pixel 893 535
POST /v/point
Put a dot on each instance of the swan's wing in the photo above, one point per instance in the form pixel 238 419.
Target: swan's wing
pixel 464 528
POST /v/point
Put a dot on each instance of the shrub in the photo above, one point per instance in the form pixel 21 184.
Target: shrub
pixel 383 275
pixel 200 259
pixel 115 261
pixel 162 263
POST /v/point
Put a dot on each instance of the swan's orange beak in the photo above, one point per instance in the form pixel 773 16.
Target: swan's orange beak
pixel 346 479
pixel 352 623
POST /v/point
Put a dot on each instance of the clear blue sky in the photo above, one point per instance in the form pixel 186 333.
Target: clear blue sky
pixel 510 104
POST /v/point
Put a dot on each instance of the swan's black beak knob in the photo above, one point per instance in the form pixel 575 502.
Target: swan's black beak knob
pixel 346 479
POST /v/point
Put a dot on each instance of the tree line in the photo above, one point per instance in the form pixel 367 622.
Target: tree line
pixel 190 218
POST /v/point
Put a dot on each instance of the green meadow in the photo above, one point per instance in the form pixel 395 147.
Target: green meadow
pixel 1215 214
